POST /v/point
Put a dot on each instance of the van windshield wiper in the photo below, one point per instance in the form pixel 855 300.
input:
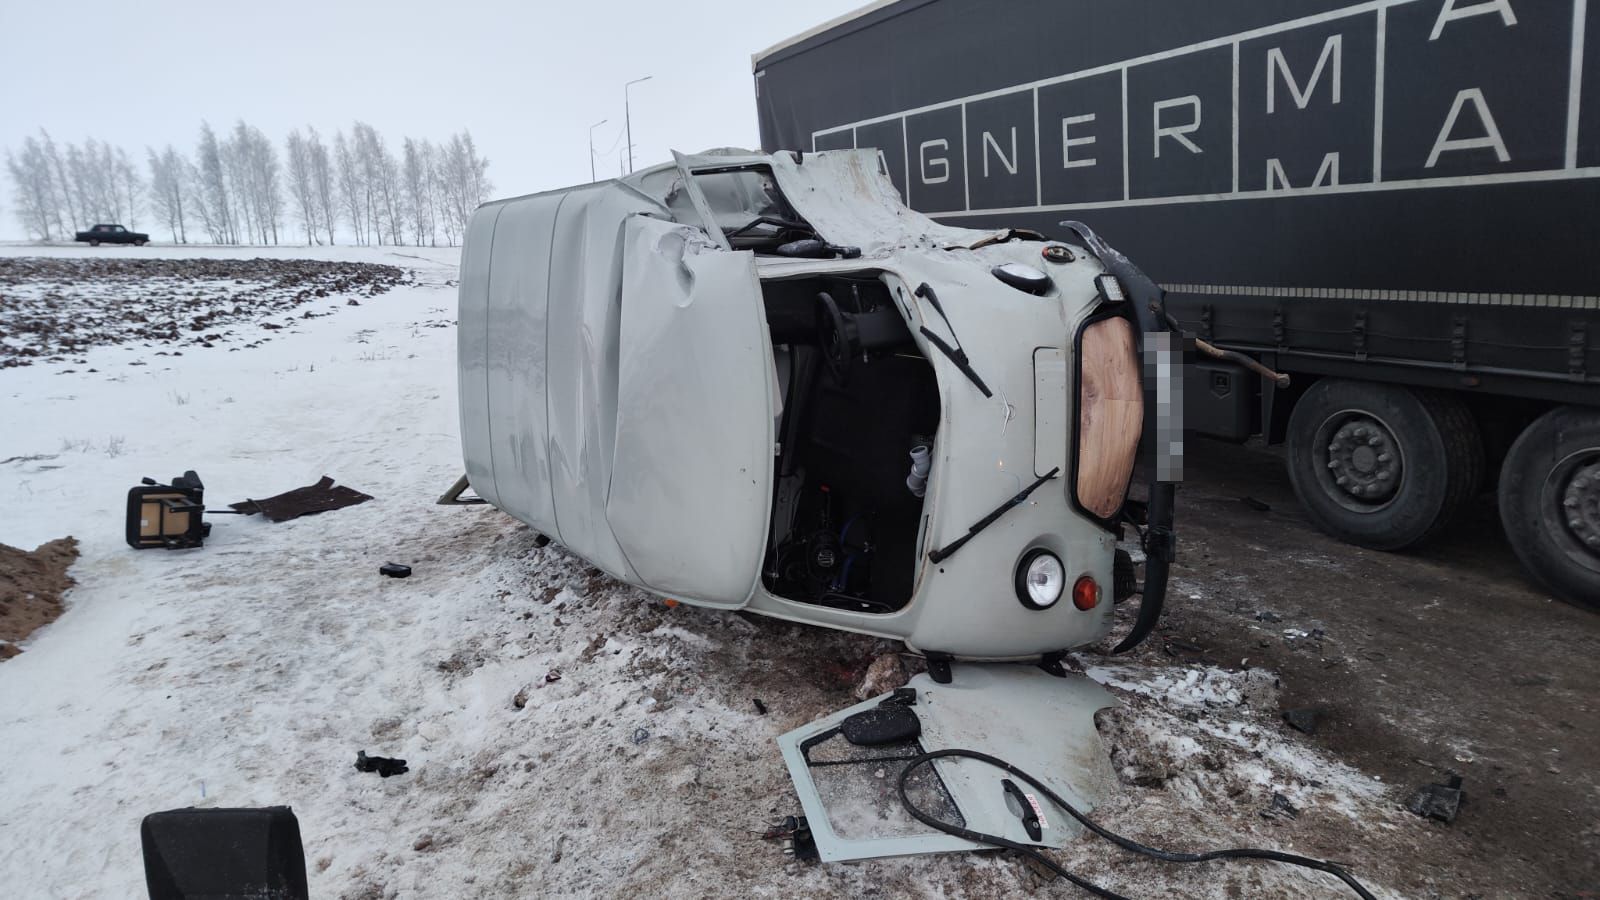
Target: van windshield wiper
pixel 949 550
pixel 955 354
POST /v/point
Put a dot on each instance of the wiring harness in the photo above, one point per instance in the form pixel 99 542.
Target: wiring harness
pixel 1119 840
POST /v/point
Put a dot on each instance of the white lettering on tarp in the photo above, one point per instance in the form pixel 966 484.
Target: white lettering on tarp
pixel 1176 132
pixel 940 161
pixel 1332 48
pixel 1490 138
pixel 1068 142
pixel 1277 179
pixel 1449 13
pixel 1308 73
pixel 989 141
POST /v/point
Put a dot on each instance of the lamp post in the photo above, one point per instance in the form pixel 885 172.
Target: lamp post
pixel 592 177
pixel 628 118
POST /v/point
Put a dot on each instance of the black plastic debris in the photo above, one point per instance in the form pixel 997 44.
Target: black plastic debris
pixel 883 724
pixel 222 853
pixel 1268 616
pixel 1301 720
pixel 1280 808
pixel 1438 801
pixel 306 501
pixel 761 708
pixel 395 570
pixel 640 735
pixel 383 765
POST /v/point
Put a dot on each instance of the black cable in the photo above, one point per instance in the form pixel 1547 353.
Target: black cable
pixel 1119 840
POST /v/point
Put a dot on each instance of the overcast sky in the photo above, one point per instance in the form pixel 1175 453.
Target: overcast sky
pixel 526 78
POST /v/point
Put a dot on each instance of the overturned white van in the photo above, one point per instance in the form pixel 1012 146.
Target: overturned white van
pixel 761 381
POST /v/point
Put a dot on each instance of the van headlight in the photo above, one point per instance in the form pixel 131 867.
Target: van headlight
pixel 1040 579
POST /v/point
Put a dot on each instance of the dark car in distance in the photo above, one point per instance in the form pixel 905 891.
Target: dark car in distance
pixel 112 234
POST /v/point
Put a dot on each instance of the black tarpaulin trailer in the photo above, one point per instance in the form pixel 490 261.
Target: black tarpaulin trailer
pixel 1395 201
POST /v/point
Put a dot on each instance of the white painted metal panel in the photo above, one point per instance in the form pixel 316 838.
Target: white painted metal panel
pixel 1050 404
pixel 691 480
pixel 472 333
pixel 516 362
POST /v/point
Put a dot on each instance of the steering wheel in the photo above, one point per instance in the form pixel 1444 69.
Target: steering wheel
pixel 837 335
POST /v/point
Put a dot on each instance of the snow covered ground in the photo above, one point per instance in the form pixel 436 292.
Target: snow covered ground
pixel 566 734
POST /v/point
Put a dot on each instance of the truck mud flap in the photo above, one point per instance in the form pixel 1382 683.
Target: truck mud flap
pixel 846 767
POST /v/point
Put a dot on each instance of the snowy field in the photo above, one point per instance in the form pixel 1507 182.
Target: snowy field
pixel 566 735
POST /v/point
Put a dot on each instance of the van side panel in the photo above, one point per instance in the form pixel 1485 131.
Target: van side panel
pixel 584 322
pixel 472 331
pixel 516 350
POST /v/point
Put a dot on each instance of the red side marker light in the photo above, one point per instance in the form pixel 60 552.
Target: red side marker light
pixel 1085 593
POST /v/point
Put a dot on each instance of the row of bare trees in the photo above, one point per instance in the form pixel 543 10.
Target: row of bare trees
pixel 56 188
pixel 236 188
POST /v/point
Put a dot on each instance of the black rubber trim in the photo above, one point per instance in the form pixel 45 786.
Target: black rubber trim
pixel 1146 308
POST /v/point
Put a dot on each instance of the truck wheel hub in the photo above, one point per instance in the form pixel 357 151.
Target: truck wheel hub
pixel 1363 460
pixel 1580 504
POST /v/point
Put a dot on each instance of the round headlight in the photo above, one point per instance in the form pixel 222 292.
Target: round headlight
pixel 1040 579
pixel 1021 277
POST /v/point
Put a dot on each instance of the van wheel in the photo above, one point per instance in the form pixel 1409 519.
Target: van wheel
pixel 1382 466
pixel 1550 502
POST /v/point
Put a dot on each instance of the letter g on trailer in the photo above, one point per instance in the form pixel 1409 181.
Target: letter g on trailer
pixel 1141 302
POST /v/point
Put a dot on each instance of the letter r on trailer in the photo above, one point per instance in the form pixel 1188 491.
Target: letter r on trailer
pixel 1176 132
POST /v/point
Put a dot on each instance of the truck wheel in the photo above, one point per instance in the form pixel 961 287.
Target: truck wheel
pixel 138 243
pixel 94 243
pixel 1382 466
pixel 1550 502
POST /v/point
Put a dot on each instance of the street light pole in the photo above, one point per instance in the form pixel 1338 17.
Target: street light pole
pixel 592 177
pixel 628 117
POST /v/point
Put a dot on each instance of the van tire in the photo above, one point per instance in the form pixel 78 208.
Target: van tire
pixel 1550 480
pixel 1382 466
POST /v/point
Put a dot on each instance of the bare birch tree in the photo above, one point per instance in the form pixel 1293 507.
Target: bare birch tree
pixel 169 190
pixel 65 212
pixel 33 192
pixel 129 187
pixel 351 189
pixel 322 182
pixel 418 175
pixel 297 160
pixel 215 206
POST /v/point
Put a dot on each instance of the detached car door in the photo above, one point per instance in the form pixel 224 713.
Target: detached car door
pixel 691 479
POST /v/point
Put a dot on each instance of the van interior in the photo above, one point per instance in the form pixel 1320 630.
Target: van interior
pixel 858 401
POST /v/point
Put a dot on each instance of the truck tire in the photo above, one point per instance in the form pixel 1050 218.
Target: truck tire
pixel 138 243
pixel 1550 502
pixel 1382 466
pixel 94 243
